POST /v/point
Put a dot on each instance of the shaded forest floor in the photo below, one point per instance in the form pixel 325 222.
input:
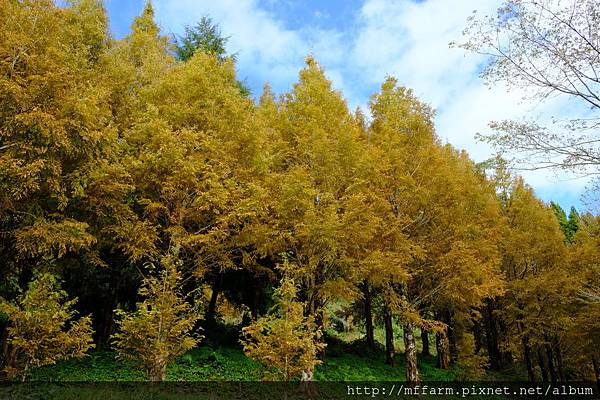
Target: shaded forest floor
pixel 224 360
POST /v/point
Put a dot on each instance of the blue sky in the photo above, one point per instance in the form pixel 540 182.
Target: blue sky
pixel 359 42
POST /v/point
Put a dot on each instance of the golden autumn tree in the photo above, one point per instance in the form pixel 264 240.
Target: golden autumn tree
pixel 161 328
pixel 539 284
pixel 429 187
pixel 42 328
pixel 381 249
pixel 192 151
pixel 584 255
pixel 284 341
pixel 402 130
pixel 55 129
pixel 314 186
pixel 464 258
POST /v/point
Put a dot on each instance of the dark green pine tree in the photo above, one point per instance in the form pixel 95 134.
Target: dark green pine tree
pixel 572 224
pixel 560 215
pixel 568 225
pixel 206 36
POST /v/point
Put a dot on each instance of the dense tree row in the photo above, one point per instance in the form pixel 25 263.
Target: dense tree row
pixel 143 177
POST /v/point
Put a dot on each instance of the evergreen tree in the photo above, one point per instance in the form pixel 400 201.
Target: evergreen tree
pixel 205 36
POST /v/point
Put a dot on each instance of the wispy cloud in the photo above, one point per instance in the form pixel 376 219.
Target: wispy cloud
pixel 410 40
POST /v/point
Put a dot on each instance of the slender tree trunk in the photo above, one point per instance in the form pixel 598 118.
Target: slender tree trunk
pixel 256 294
pixel 368 302
pixel 506 356
pixel 158 373
pixel 389 336
pixel 550 356
pixel 25 372
pixel 478 336
pixel 308 388
pixel 105 327
pixel 559 362
pixel 442 351
pixel 426 352
pixel 410 354
pixel 542 363
pixel 452 345
pixel 596 366
pixel 212 304
pixel 492 335
pixel 528 362
pixel 3 347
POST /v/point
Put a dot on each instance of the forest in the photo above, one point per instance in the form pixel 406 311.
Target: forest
pixel 151 209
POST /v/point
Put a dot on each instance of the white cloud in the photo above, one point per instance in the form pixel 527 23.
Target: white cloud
pixel 410 40
pixel 266 49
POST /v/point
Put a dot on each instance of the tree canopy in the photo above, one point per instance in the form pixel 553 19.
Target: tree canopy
pixel 175 208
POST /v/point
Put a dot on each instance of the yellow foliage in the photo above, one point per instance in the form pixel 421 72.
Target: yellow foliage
pixel 161 328
pixel 42 329
pixel 284 341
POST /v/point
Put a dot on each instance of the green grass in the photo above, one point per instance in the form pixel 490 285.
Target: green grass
pixel 204 363
pixel 354 362
pixel 211 361
pixel 341 362
pixel 220 358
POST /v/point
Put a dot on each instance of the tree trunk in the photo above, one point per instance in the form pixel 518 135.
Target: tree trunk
pixel 4 351
pixel 478 336
pixel 542 363
pixel 368 302
pixel 559 362
pixel 410 354
pixel 307 387
pixel 528 362
pixel 550 355
pixel 491 336
pixel 212 304
pixel 442 351
pixel 426 352
pixel 158 372
pixel 452 345
pixel 256 294
pixel 596 366
pixel 389 336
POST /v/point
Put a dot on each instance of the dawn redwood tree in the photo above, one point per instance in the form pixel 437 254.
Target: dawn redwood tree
pixel 284 341
pixel 540 285
pixel 191 150
pixel 55 132
pixel 463 259
pixel 314 212
pixel 160 329
pixel 585 260
pixel 429 189
pixel 402 129
pixel 42 328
